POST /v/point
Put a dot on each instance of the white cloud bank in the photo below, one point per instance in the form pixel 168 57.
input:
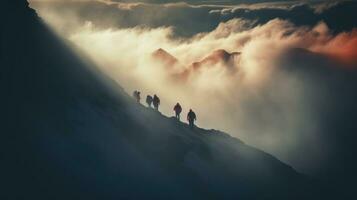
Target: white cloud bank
pixel 259 104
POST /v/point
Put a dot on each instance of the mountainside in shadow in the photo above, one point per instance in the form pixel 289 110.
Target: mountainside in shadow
pixel 68 132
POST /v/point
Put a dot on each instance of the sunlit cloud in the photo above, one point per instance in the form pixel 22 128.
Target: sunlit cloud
pixel 221 98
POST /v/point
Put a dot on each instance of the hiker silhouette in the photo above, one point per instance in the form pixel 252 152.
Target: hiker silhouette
pixel 178 110
pixel 191 117
pixel 149 100
pixel 136 95
pixel 156 102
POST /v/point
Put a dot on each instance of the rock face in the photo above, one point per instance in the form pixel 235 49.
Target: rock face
pixel 68 132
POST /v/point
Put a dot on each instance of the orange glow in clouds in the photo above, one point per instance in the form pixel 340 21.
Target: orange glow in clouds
pixel 343 47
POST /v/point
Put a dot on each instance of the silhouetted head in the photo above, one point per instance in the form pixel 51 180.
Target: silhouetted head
pixel 190 110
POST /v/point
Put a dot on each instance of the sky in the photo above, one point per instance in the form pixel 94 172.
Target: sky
pixel 256 71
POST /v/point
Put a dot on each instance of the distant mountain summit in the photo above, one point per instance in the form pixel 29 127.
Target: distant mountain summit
pixel 220 56
pixel 164 57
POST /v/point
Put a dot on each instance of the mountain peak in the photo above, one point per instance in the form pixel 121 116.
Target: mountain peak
pixel 221 55
pixel 220 52
pixel 164 57
pixel 217 56
pixel 161 51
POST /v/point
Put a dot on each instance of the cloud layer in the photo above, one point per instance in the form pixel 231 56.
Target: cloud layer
pixel 188 20
pixel 261 103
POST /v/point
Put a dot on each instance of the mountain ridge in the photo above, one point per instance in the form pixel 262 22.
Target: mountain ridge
pixel 219 57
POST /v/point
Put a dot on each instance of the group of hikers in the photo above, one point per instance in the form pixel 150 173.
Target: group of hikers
pixel 155 101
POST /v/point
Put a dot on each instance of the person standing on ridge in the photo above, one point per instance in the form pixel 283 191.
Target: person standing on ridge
pixel 149 100
pixel 138 98
pixel 136 95
pixel 156 102
pixel 191 117
pixel 178 110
